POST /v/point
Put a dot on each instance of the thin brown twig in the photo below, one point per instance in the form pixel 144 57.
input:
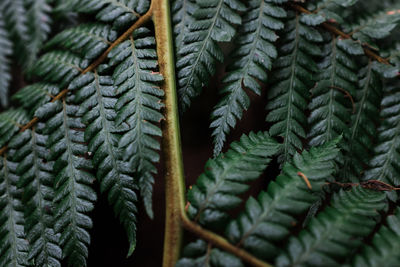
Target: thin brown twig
pixel 347 94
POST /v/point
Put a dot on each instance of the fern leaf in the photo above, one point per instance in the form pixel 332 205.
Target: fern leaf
pixel 10 122
pixel 330 109
pixel 384 165
pixel 138 106
pixel 292 80
pixel 33 96
pixel 5 53
pixel 74 196
pixel 198 253
pixel 182 11
pixel 327 10
pixel 250 63
pixel 87 40
pixel 336 232
pixel 225 177
pixel 214 21
pixel 59 67
pixel 363 123
pixel 36 178
pixel 385 246
pixel 97 97
pixel 39 26
pixel 267 220
pixel 13 248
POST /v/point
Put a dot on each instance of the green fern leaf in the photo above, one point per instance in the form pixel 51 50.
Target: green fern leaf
pixel 36 179
pixel 97 97
pixel 326 10
pixel 225 177
pixel 336 232
pixel 87 40
pixel 74 196
pixel 182 11
pixel 138 106
pixel 214 21
pixel 363 123
pixel 385 246
pixel 292 80
pixel 266 221
pixel 198 254
pixel 5 53
pixel 250 63
pixel 10 122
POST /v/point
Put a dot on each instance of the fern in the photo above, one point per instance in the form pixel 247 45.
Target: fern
pixel 214 22
pixel 331 236
pixel 5 54
pixel 250 63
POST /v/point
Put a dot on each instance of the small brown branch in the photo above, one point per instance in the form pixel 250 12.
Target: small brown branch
pixel 142 20
pixel 348 95
pixel 221 242
pixel 302 175
pixel 342 34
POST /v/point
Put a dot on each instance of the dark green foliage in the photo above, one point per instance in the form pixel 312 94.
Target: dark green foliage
pixel 97 98
pixel 10 122
pixel 138 106
pixel 291 82
pixel 226 176
pixel 74 196
pixel 267 220
pixel 182 11
pixel 385 246
pixel 36 178
pixel 5 53
pixel 214 21
pixel 325 10
pixel 199 254
pixel 250 63
pixel 330 237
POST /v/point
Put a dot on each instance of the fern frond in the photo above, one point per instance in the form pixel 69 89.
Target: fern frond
pixel 214 21
pixel 327 10
pixel 59 67
pixel 198 253
pixel 97 98
pixel 337 231
pixel 13 248
pixel 363 123
pixel 182 11
pixel 74 196
pixel 36 179
pixel 291 83
pixel 138 106
pixel 87 40
pixel 267 220
pixel 250 63
pixel 331 97
pixel 225 177
pixel 33 96
pixel 385 246
pixel 10 122
pixel 5 53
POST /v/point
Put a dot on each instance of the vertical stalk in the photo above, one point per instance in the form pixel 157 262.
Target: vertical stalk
pixel 174 190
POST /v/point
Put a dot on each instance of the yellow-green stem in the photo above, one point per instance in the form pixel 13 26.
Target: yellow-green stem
pixel 174 178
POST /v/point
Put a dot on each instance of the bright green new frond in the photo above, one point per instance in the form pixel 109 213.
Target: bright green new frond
pixel 139 106
pixel 225 177
pixel 267 220
pixel 291 82
pixel 336 232
pixel 34 96
pixel 363 123
pixel 37 179
pixel 331 97
pixel 385 165
pixel 200 254
pixel 87 40
pixel 214 21
pixel 59 67
pixel 250 63
pixel 182 11
pixel 74 196
pixel 10 122
pixel 97 97
pixel 119 13
pixel 5 53
pixel 384 250
pixel 13 245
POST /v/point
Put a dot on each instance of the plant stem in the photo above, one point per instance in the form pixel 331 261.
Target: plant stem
pixel 175 185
